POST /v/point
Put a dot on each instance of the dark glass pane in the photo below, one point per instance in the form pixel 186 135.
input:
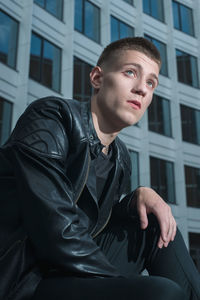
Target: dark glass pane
pixel 35 57
pixel 162 178
pixel 91 21
pixel 159 116
pixel 187 68
pixel 40 2
pixel 79 15
pixel 5 120
pixel 194 241
pixel 176 16
pixel 51 66
pixel 82 87
pixel 55 7
pixel 163 53
pixel 192 183
pixel 8 40
pixel 190 120
pixel 146 7
pixel 186 20
pixel 135 169
pixel 126 30
pixel 157 9
pixel 114 29
pixel 129 1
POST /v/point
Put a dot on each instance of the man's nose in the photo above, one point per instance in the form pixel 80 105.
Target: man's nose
pixel 139 87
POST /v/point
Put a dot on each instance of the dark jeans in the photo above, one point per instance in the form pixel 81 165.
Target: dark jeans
pixel 173 275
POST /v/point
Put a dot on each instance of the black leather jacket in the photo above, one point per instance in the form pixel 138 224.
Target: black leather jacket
pixel 43 171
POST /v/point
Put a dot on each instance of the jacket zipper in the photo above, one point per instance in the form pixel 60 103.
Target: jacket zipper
pixel 102 228
pixel 88 167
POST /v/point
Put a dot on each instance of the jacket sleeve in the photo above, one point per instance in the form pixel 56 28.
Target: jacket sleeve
pixel 57 227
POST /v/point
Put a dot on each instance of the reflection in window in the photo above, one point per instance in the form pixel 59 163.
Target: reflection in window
pixel 159 116
pixel 183 19
pixel 192 183
pixel 135 169
pixel 5 119
pixel 154 8
pixel 194 242
pixel 120 29
pixel 187 68
pixel 87 19
pixel 45 62
pixel 162 178
pixel 190 121
pixel 54 7
pixel 163 53
pixel 82 86
pixel 8 39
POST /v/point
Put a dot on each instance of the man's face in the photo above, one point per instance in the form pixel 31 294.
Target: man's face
pixel 126 88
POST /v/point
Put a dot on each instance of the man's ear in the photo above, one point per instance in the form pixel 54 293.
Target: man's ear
pixel 96 76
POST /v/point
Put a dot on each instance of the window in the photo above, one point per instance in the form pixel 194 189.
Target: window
pixel 82 86
pixel 87 19
pixel 135 169
pixel 162 178
pixel 187 68
pixel 183 19
pixel 5 119
pixel 154 8
pixel 190 121
pixel 159 116
pixel 120 29
pixel 192 183
pixel 163 53
pixel 129 1
pixel 8 40
pixel 45 62
pixel 194 241
pixel 54 7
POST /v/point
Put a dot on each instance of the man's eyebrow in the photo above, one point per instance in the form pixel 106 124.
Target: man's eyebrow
pixel 140 67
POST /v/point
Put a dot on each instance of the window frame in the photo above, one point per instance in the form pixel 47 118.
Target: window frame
pixel 158 176
pixel 180 17
pixel 41 62
pixel 118 25
pixel 44 7
pixel 98 41
pixel 185 68
pixel 169 121
pixel 152 39
pixel 17 42
pixel 162 18
pixel 191 110
pixel 10 121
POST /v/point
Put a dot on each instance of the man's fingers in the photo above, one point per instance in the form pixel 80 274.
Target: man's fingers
pixel 143 216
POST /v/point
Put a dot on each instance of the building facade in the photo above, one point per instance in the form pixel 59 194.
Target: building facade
pixel 48 47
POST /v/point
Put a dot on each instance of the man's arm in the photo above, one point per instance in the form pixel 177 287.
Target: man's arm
pixel 147 201
pixel 56 226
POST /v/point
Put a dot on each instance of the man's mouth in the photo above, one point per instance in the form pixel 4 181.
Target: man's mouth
pixel 134 104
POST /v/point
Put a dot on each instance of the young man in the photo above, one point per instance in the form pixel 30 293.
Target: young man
pixel 70 227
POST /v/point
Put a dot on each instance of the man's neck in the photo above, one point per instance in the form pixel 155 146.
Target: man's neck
pixel 103 129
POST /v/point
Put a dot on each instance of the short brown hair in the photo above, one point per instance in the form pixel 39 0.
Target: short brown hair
pixel 131 43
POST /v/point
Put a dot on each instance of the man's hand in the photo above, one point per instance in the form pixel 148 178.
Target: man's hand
pixel 148 201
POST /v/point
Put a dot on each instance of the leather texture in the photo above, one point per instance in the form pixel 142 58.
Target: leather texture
pixel 47 226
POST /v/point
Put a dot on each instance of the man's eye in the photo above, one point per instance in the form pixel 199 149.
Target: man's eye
pixel 130 72
pixel 150 84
